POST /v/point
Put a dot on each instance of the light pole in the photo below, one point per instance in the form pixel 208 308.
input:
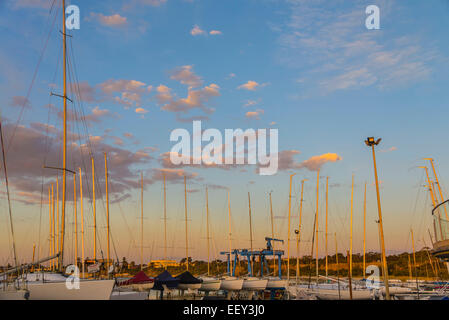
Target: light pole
pixel 370 142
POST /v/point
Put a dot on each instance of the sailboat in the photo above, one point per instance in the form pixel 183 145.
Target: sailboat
pixel 230 283
pixel 274 282
pixel 209 283
pixel 8 292
pixel 186 280
pixel 59 286
pixel 253 283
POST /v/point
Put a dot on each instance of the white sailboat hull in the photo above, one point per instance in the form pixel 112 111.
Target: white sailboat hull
pixel 331 294
pixel 231 284
pixel 210 284
pixel 276 283
pixel 194 286
pixel 255 284
pixel 88 290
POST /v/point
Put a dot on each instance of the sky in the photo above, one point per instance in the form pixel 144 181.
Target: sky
pixel 137 70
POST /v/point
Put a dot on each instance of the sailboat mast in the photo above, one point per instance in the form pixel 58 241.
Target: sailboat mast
pixel 64 154
pixel 165 221
pixel 250 233
pixel 53 245
pixel 58 243
pixel 50 253
pixel 325 233
pixel 207 231
pixel 230 241
pixel 107 209
pixel 272 235
pixel 82 221
pixel 350 238
pixel 364 233
pixel 185 210
pixel 299 230
pixel 76 219
pixel 438 184
pixel 94 209
pixel 316 218
pixel 9 201
pixel 141 221
pixel 288 229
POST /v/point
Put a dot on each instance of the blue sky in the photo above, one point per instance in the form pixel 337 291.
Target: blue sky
pixel 312 70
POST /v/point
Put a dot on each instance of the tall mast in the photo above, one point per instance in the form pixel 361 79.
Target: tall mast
pixel 107 208
pixel 327 189
pixel 207 231
pixel 76 219
pixel 185 210
pixel 58 243
pixel 94 209
pixel 364 233
pixel 141 221
pixel 165 221
pixel 250 233
pixel 288 229
pixel 299 231
pixel 336 258
pixel 350 238
pixel 9 201
pixel 434 202
pixel 64 156
pixel 82 221
pixel 50 253
pixel 230 241
pixel 316 218
pixel 272 234
pixel 53 245
pixel 438 184
pixel 414 260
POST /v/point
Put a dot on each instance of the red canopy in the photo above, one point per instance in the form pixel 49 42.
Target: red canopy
pixel 139 278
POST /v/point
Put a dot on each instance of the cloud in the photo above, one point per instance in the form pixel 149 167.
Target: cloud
pixel 286 161
pixel 186 76
pixel 33 148
pixel 250 103
pixel 215 32
pixel 114 20
pixel 195 99
pixel 141 110
pixel 389 149
pixel 124 92
pixel 251 85
pixel 33 4
pixel 112 86
pixel 128 135
pixel 316 162
pixel 254 114
pixel 196 30
pixel 20 101
pixel 330 47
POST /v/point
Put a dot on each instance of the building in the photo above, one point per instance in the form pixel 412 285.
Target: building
pixel 163 263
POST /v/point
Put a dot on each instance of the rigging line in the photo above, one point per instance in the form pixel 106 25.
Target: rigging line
pixel 30 88
pixel 7 191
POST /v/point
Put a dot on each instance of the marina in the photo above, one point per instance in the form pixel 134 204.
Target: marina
pixel 121 204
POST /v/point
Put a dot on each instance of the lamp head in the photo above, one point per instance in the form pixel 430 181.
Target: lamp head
pixel 371 142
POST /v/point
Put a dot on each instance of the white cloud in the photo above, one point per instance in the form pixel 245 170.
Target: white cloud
pixel 196 30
